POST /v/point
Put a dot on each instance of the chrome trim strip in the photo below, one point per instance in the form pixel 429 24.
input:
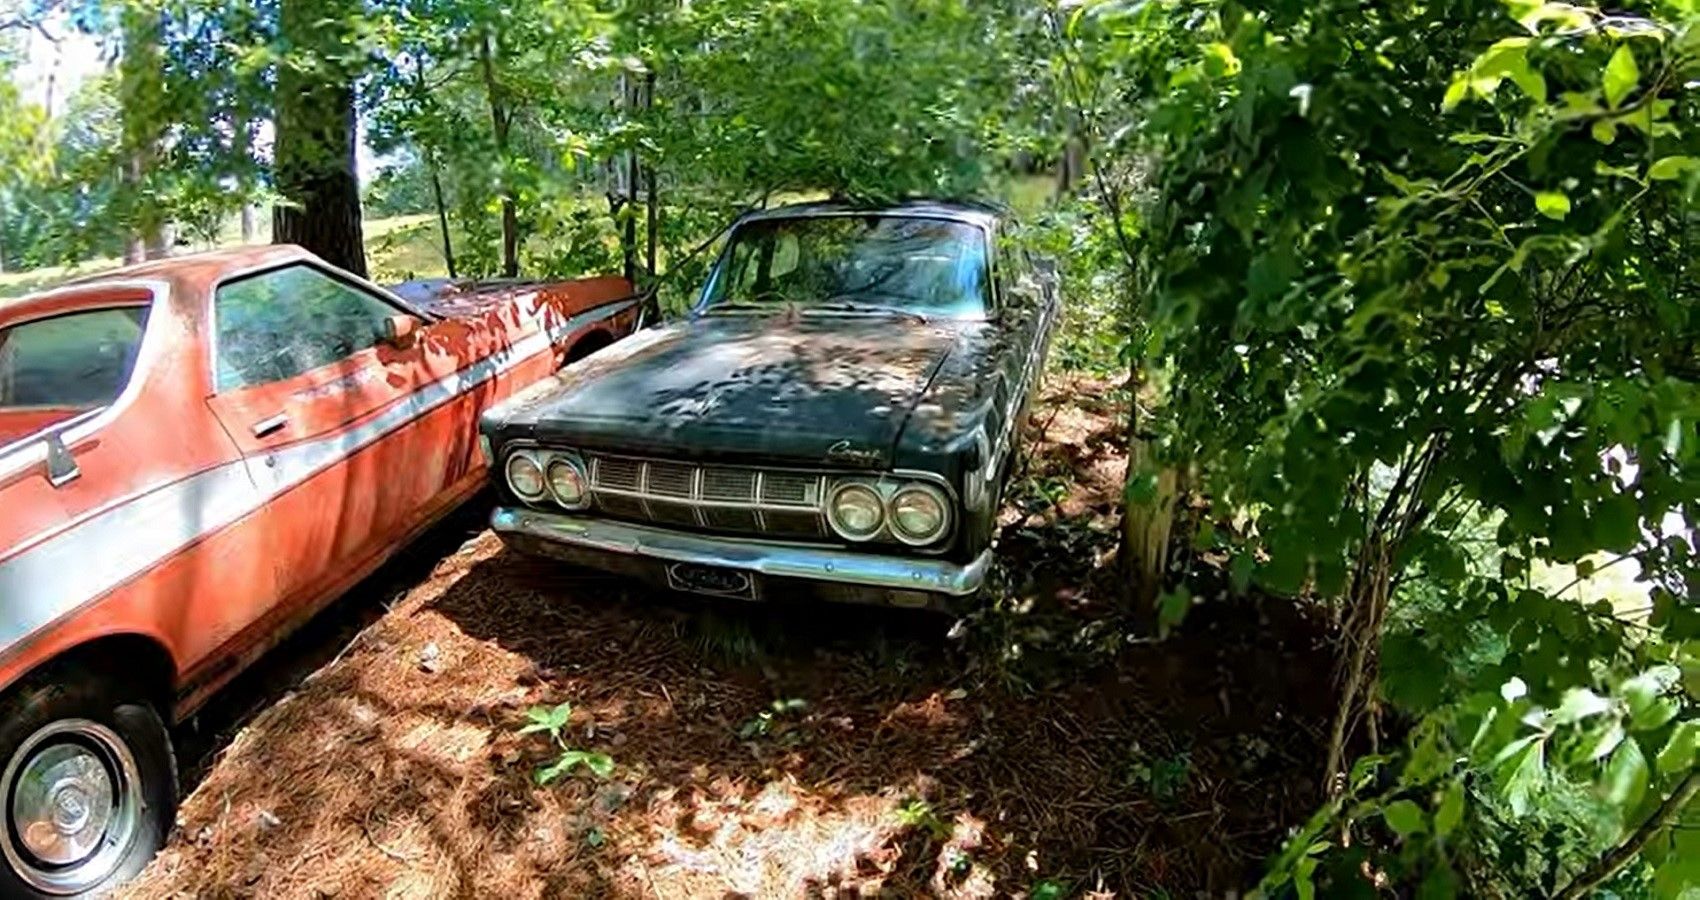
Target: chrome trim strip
pixel 58 575
pixel 780 560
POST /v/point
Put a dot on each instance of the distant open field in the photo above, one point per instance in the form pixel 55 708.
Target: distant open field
pixel 397 248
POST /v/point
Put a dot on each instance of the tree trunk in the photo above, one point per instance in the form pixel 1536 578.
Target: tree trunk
pixel 501 120
pixel 653 223
pixel 314 151
pixel 442 216
pixel 1366 608
pixel 1071 167
pixel 141 92
pixel 243 138
pixel 430 157
pixel 1148 516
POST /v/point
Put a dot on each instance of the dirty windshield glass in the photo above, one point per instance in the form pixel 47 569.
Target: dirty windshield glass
pixel 850 264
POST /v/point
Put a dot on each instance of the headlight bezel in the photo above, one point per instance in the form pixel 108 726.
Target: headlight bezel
pixel 888 487
pixel 929 491
pixel 525 456
pixel 878 503
pixel 574 465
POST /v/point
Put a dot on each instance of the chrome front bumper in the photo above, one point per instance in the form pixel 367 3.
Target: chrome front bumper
pixel 893 573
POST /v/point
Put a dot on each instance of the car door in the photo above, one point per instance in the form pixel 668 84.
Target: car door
pixel 327 414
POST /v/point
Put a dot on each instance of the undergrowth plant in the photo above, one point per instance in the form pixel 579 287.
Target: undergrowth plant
pixel 553 721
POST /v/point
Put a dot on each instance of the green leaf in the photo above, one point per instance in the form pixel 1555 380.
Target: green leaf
pixel 1643 692
pixel 1172 608
pixel 1455 94
pixel 1604 131
pixel 549 773
pixel 1671 168
pixel 1620 76
pixel 1451 810
pixel 1405 818
pixel 1552 204
pixel 1303 883
pixel 1579 704
pixel 1441 883
pixel 546 719
pixel 1678 873
pixel 1655 715
pixel 1678 754
pixel 1509 58
pixel 599 763
pixel 1522 773
pixel 1220 59
pixel 1609 739
pixel 1625 778
pixel 1048 890
pixel 1617 524
pixel 1240 571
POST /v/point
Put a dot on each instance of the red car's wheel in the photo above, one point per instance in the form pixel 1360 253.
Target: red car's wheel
pixel 88 789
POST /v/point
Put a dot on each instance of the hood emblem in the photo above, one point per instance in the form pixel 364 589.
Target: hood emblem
pixel 845 451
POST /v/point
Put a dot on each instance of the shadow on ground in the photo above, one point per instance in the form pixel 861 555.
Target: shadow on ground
pixel 763 751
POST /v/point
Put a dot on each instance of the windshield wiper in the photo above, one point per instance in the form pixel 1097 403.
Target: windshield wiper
pixel 853 306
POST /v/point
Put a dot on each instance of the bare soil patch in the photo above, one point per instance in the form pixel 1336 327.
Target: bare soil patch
pixel 771 750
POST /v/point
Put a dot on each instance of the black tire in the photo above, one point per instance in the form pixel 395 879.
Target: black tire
pixel 79 712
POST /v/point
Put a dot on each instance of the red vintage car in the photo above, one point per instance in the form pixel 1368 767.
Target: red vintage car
pixel 195 456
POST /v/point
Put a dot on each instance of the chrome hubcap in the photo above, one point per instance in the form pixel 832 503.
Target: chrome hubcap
pixel 62 804
pixel 73 803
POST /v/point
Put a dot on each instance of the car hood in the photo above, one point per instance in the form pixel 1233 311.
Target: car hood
pixel 807 390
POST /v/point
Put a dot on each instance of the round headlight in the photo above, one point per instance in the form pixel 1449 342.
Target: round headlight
pixel 566 482
pixel 919 515
pixel 856 512
pixel 525 476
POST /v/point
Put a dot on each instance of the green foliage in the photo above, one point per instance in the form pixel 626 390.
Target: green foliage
pixel 1419 286
pixel 762 724
pixel 553 721
pixel 1163 776
pixel 920 815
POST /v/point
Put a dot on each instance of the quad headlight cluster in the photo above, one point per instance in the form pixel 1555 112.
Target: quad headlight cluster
pixel 857 508
pixel 915 513
pixel 535 475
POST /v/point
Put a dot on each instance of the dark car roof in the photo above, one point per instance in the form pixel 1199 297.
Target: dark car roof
pixel 970 212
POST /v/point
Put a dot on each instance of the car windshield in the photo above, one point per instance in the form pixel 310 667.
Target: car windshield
pixel 854 264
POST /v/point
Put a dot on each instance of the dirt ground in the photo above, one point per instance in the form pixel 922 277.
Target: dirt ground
pixel 761 751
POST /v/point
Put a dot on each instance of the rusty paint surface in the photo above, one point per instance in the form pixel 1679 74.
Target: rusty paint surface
pixel 190 527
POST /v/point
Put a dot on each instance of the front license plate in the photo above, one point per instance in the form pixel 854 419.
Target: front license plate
pixel 712 580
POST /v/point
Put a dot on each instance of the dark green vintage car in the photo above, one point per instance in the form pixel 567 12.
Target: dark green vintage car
pixel 835 418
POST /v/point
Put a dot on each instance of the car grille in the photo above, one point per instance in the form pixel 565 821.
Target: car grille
pixel 759 502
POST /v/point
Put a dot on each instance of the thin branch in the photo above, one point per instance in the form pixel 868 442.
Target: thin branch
pixel 1109 197
pixel 1581 578
pixel 1607 866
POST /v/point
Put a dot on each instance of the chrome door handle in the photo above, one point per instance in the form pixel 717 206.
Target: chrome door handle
pixel 267 426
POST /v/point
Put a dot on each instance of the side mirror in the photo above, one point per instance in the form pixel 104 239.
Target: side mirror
pixel 400 330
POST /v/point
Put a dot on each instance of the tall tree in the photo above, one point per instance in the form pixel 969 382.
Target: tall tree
pixel 501 122
pixel 314 156
pixel 141 89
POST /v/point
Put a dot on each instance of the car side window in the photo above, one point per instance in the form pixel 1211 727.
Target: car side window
pixel 80 360
pixel 278 324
